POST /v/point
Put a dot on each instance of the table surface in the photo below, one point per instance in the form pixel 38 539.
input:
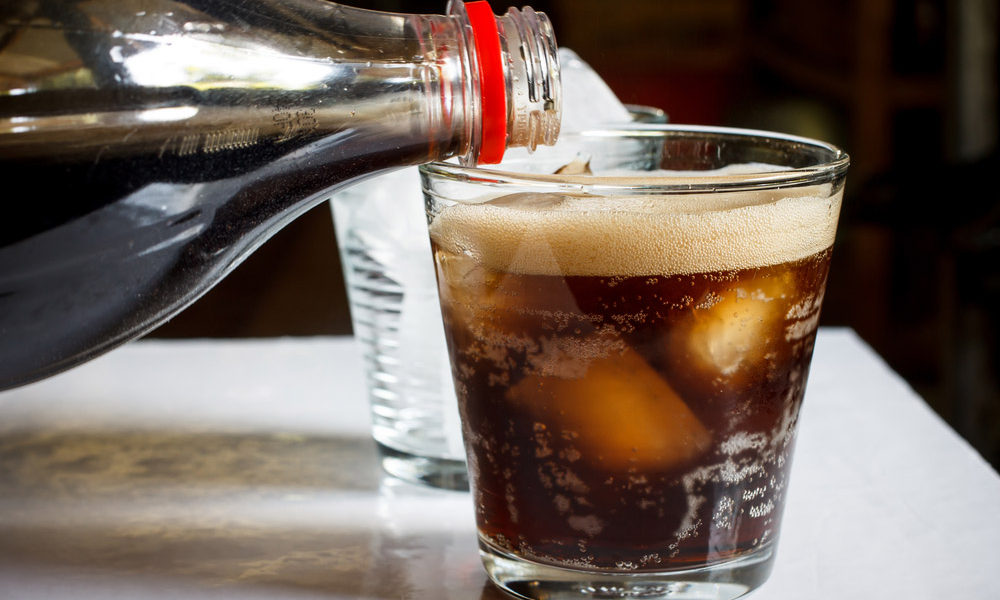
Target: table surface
pixel 244 469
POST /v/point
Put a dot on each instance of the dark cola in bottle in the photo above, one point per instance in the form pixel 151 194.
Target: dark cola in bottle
pixel 147 147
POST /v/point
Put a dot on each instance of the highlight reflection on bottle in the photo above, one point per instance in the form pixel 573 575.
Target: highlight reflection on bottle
pixel 630 370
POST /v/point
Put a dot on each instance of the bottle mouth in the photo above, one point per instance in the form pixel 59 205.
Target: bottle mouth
pixel 519 89
pixel 536 108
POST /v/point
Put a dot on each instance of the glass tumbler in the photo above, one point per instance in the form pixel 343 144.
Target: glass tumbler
pixel 630 341
pixel 382 238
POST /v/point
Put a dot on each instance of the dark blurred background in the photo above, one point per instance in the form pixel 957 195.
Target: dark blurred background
pixel 907 87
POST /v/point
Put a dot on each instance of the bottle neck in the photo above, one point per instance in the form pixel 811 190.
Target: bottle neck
pixel 513 98
pixel 180 79
pixel 534 106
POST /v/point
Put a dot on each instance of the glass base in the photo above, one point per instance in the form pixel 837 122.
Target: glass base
pixel 532 580
pixel 444 473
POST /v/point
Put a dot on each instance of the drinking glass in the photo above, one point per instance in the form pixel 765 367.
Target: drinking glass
pixel 382 238
pixel 630 340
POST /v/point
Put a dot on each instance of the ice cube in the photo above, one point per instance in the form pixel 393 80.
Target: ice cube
pixel 729 335
pixel 494 303
pixel 579 166
pixel 620 414
pixel 463 284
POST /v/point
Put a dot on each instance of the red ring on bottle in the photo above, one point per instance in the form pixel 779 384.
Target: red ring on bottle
pixel 492 87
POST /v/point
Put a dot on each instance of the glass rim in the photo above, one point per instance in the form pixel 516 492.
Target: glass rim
pixel 825 171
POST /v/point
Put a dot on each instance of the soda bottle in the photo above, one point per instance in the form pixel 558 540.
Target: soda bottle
pixel 148 146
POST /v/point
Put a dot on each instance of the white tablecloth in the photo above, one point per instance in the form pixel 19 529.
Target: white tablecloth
pixel 244 469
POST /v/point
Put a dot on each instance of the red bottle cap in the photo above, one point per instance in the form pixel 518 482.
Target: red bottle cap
pixel 492 87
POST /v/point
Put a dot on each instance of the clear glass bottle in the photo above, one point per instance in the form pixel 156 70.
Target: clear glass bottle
pixel 148 146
